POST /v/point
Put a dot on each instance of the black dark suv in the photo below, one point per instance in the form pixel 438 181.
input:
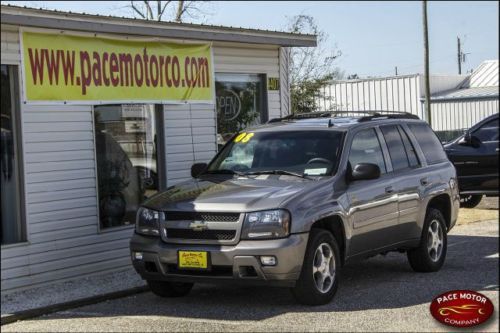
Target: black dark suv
pixel 475 156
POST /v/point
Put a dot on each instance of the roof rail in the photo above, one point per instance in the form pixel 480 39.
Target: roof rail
pixel 368 115
pixel 402 115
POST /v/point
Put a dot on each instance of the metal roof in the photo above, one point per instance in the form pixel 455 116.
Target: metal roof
pixel 468 93
pixel 481 84
pixel 53 19
pixel 486 75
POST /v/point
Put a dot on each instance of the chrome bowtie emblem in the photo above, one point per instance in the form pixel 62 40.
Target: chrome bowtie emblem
pixel 198 225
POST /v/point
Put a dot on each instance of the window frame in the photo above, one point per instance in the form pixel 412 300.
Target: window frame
pixel 485 124
pixel 264 115
pixel 161 166
pixel 403 132
pixel 416 143
pixel 383 148
pixel 14 70
pixel 396 126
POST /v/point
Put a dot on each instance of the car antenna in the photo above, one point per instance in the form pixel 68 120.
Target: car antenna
pixel 330 123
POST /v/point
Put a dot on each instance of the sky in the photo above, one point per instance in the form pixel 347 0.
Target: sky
pixel 373 37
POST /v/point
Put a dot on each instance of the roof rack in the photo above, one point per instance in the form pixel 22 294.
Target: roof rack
pixel 368 115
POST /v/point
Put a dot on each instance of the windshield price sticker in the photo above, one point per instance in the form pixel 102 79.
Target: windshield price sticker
pixel 243 137
pixel 315 172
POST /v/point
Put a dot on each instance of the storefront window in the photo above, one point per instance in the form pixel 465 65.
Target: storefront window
pixel 12 224
pixel 240 103
pixel 126 150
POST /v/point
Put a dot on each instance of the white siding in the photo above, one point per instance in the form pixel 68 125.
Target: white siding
pixel 397 93
pixel 10 45
pixel 190 137
pixel 384 94
pixel 284 81
pixel 61 202
pixel 459 115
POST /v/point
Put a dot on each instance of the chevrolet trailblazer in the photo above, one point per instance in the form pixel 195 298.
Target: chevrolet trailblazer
pixel 290 202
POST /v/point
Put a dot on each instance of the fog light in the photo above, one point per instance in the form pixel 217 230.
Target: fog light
pixel 268 260
pixel 138 255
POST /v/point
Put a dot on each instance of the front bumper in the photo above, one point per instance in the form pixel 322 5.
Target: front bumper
pixel 229 263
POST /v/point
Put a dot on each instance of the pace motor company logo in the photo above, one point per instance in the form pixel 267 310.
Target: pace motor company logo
pixel 461 308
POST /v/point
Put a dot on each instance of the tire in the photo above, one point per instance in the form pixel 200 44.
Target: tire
pixel 470 201
pixel 306 290
pixel 430 255
pixel 170 289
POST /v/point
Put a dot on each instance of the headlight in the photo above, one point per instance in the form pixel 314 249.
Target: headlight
pixel 266 224
pixel 148 222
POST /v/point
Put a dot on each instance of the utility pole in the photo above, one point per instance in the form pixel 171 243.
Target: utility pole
pixel 459 56
pixel 396 70
pixel 426 63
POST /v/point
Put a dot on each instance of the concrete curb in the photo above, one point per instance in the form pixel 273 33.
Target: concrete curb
pixel 31 313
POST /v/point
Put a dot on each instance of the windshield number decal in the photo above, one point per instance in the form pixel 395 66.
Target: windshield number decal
pixel 243 137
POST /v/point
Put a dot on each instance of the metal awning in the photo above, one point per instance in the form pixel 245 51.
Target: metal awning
pixel 30 17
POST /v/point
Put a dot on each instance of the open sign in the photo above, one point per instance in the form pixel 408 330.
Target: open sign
pixel 228 105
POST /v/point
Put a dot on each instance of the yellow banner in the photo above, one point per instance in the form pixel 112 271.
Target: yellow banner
pixel 71 68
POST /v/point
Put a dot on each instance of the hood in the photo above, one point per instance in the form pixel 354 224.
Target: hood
pixel 228 194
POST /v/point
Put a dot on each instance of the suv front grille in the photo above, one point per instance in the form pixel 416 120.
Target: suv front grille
pixel 197 216
pixel 203 234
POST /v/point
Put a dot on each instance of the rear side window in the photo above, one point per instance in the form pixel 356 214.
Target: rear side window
pixel 366 148
pixel 429 142
pixel 396 147
pixel 488 132
pixel 410 150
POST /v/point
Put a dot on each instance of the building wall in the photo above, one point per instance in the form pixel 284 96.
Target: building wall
pixel 386 94
pixel 404 93
pixel 64 239
pixel 460 115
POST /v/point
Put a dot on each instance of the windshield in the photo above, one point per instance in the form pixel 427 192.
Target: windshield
pixel 298 152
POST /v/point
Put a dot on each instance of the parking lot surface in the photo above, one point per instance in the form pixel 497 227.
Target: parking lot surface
pixel 378 294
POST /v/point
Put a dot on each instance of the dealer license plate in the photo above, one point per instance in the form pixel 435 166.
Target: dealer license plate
pixel 193 259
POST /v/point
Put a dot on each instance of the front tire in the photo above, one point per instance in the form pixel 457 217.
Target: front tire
pixel 431 253
pixel 170 289
pixel 318 279
pixel 470 201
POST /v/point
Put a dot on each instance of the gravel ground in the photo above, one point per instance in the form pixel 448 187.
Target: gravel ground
pixel 379 294
pixel 486 210
pixel 69 290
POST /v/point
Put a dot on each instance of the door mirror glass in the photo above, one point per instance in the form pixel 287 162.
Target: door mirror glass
pixel 365 171
pixel 197 169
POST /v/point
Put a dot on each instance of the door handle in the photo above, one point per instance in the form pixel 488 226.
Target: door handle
pixel 424 181
pixel 389 189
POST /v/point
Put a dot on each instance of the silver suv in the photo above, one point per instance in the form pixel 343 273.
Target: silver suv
pixel 289 203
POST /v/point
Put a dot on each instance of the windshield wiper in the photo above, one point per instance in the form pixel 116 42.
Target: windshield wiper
pixel 277 172
pixel 225 172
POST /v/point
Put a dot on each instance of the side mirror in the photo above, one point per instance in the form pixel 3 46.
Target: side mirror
pixel 197 169
pixel 465 141
pixel 365 171
pixel 475 142
pixel 470 140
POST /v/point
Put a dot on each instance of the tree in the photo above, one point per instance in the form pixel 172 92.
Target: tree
pixel 311 68
pixel 173 10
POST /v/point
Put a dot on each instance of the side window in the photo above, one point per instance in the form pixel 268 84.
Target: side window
pixel 366 148
pixel 410 149
pixel 429 142
pixel 13 227
pixel 488 132
pixel 396 147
